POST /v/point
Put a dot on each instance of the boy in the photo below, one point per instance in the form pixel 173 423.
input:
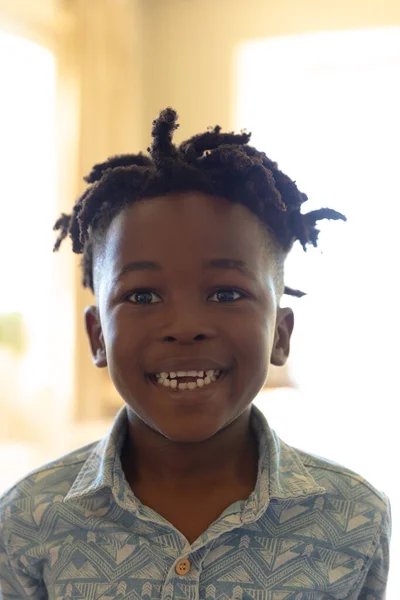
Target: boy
pixel 191 495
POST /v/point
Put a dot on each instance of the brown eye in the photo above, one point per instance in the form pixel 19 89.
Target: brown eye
pixel 144 297
pixel 228 295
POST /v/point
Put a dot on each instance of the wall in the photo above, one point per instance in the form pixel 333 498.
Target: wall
pixel 39 20
pixel 190 46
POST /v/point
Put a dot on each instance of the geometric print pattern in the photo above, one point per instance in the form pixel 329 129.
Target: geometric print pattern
pixel 311 530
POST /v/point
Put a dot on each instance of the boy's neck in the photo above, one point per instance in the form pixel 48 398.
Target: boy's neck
pixel 229 458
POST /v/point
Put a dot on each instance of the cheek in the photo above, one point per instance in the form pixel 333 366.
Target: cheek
pixel 252 354
pixel 124 340
pixel 124 353
pixel 251 339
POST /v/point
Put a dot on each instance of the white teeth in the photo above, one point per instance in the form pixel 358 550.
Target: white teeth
pixel 193 373
pixel 201 379
pixel 175 374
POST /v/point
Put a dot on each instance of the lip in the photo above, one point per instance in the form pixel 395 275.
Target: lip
pixel 188 364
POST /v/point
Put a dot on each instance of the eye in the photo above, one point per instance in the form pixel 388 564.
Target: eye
pixel 227 295
pixel 144 297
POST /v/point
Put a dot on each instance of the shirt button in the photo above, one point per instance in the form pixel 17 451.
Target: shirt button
pixel 183 566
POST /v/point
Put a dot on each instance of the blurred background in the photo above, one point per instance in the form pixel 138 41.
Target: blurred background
pixel 318 84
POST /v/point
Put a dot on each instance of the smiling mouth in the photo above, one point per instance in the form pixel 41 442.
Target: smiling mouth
pixel 187 380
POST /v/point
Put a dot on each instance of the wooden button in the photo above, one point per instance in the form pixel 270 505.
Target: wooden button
pixel 183 566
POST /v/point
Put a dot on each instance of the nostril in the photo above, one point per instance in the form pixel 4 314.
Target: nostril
pixel 197 338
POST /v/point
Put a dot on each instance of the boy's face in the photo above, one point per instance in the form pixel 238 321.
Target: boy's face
pixel 185 284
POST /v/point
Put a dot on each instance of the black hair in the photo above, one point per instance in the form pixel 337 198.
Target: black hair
pixel 213 162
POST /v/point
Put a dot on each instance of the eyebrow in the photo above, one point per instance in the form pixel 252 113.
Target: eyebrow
pixel 139 265
pixel 230 263
pixel 215 263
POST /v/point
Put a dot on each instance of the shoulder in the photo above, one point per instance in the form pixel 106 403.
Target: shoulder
pixel 345 484
pixel 45 485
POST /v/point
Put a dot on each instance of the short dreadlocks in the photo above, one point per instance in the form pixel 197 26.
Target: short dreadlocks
pixel 215 163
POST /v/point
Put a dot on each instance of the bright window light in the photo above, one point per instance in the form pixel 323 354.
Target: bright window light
pixel 27 75
pixel 27 190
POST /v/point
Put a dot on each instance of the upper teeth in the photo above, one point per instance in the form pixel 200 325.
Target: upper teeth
pixel 174 374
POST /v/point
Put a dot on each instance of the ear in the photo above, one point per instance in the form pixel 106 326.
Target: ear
pixel 95 335
pixel 283 331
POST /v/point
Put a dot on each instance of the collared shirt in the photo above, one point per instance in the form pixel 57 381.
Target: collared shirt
pixel 310 530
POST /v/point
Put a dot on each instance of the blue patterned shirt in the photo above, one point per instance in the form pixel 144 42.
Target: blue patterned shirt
pixel 311 530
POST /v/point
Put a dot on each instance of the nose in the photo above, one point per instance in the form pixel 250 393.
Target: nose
pixel 187 327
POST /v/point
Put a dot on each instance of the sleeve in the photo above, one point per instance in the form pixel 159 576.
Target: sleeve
pixel 375 582
pixel 15 583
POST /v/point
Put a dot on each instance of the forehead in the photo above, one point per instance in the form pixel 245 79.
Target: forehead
pixel 182 230
pixel 197 221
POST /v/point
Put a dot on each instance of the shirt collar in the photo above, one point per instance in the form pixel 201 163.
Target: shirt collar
pixel 281 473
pixel 103 468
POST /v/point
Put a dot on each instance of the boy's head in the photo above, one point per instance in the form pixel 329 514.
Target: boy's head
pixel 184 250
